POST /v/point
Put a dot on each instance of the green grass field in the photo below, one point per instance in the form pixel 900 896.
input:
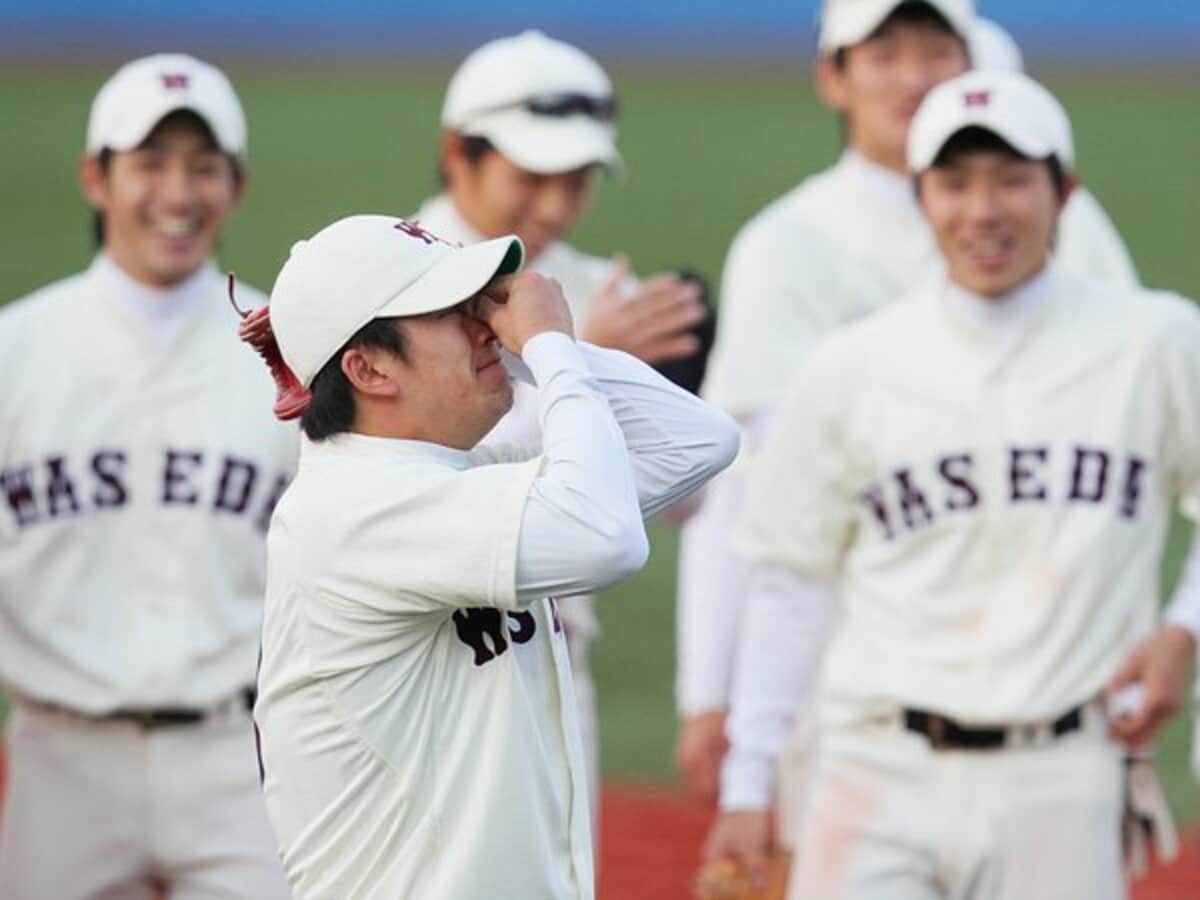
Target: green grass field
pixel 705 148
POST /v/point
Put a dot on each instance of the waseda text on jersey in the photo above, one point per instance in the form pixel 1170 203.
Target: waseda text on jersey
pixel 59 486
pixel 911 498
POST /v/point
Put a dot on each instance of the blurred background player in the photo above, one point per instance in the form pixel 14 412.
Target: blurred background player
pixel 993 539
pixel 839 245
pixel 528 123
pixel 139 464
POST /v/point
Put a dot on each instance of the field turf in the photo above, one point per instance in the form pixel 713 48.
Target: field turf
pixel 705 148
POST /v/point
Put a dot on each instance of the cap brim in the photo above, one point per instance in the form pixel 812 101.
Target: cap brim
pixel 547 145
pixel 136 127
pixel 1027 145
pixel 457 276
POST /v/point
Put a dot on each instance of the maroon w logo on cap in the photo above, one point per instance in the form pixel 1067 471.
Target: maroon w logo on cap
pixel 175 81
pixel 977 98
pixel 414 230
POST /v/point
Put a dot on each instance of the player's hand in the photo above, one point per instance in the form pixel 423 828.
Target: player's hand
pixel 744 839
pixel 522 306
pixel 653 323
pixel 701 748
pixel 1161 666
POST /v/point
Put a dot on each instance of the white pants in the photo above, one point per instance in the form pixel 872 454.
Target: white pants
pixel 107 811
pixel 579 619
pixel 889 818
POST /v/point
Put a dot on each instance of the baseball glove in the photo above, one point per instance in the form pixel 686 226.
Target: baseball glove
pixel 1147 828
pixel 725 880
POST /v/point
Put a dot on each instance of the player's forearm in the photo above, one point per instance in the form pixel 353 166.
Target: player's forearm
pixel 676 441
pixel 582 529
pixel 710 600
pixel 781 642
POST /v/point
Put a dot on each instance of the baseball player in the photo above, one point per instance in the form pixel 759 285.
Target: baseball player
pixel 989 468
pixel 529 122
pixel 138 472
pixel 842 243
pixel 417 729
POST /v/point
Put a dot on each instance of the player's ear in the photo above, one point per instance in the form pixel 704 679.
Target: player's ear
pixel 831 83
pixel 93 181
pixel 371 371
pixel 1069 184
pixel 241 177
pixel 453 158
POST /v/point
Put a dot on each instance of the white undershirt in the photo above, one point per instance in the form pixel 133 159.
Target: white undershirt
pixel 165 311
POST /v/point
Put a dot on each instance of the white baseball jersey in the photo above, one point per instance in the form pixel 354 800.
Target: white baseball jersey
pixel 990 484
pixel 418 734
pixel 139 463
pixel 841 244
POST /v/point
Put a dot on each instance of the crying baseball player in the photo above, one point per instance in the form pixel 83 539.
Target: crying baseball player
pixel 418 732
pixel 982 474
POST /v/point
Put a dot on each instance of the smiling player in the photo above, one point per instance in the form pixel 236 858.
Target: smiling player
pixel 139 464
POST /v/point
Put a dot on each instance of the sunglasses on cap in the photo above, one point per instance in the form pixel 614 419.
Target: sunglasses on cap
pixel 561 106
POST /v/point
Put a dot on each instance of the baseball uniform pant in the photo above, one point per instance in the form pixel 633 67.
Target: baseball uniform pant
pixel 100 810
pixel 579 620
pixel 887 817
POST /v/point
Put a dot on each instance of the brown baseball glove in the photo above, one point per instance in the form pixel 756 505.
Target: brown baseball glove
pixel 726 880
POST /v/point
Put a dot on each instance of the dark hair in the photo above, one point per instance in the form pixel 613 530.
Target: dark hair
pixel 974 139
pixel 911 12
pixel 474 148
pixel 105 156
pixel 331 411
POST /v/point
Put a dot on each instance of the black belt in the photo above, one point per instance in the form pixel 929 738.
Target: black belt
pixel 151 718
pixel 946 734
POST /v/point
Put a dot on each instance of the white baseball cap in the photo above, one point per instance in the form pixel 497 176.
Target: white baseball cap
pixel 142 92
pixel 992 47
pixel 848 22
pixel 1011 105
pixel 544 104
pixel 373 266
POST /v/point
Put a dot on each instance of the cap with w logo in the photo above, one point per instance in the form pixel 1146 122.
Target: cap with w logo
pixel 144 91
pixel 1011 105
pixel 367 267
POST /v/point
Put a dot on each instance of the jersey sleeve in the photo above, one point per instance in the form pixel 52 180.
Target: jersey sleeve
pixel 1182 358
pixel 776 303
pixel 417 541
pixel 1089 243
pixel 799 507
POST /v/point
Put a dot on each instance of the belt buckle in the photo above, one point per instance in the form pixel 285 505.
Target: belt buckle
pixel 145 719
pixel 937 732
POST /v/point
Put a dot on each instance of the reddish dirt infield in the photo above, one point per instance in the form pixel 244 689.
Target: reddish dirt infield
pixel 650 844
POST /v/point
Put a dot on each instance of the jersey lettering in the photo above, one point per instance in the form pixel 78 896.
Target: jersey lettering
pixel 956 472
pixel 1089 476
pixel 913 506
pixel 58 487
pixel 60 490
pixel 178 466
pixel 18 491
pixel 1022 477
pixel 236 484
pixel 1031 473
pixel 482 629
pixel 109 466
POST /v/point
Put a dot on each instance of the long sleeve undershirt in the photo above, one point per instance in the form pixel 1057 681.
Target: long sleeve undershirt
pixel 620 443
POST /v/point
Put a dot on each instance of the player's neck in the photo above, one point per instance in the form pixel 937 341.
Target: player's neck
pixel 893 162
